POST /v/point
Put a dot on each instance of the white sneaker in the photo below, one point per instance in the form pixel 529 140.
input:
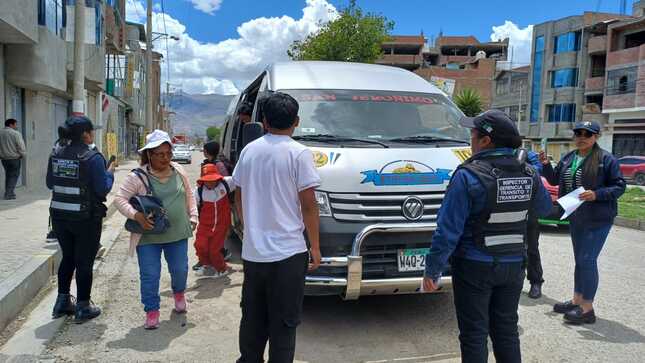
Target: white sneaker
pixel 210 272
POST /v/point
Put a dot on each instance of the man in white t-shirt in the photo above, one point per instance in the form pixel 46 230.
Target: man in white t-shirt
pixel 275 178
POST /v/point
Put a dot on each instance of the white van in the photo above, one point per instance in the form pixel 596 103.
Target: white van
pixel 385 143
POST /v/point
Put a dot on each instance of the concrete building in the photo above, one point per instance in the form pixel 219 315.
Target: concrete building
pixel 568 64
pixel 624 98
pixel 510 92
pixel 404 51
pixel 36 68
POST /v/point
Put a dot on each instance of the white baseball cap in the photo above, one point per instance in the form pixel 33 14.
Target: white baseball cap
pixel 155 139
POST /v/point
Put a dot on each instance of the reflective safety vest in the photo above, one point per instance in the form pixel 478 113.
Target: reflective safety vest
pixel 500 228
pixel 72 194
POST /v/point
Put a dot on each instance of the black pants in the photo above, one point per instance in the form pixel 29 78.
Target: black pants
pixel 12 173
pixel 534 267
pixel 272 295
pixel 79 241
pixel 486 298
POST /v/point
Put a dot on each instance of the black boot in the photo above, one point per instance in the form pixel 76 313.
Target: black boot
pixel 577 316
pixel 536 291
pixel 86 310
pixel 64 306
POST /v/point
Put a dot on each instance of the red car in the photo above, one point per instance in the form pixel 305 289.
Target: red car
pixel 556 210
pixel 633 168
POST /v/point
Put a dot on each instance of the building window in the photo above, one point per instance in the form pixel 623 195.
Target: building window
pixel 565 112
pixel 51 13
pixel 502 86
pixel 634 40
pixel 536 86
pixel 518 85
pixel 598 64
pixel 564 78
pixel 622 81
pixel 568 42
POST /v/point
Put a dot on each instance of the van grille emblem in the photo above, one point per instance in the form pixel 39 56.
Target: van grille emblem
pixel 412 208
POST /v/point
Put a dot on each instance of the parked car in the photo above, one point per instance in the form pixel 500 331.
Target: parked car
pixel 633 168
pixel 181 153
pixel 556 210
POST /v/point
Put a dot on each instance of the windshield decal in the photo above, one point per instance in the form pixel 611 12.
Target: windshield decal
pixel 406 172
pixel 333 97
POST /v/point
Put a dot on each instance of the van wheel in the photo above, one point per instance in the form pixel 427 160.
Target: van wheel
pixel 640 179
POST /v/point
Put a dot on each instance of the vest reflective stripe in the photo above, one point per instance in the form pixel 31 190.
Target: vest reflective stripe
pixel 508 217
pixel 507 239
pixel 67 190
pixel 72 207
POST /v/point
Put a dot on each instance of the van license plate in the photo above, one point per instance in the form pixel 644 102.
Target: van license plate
pixel 413 259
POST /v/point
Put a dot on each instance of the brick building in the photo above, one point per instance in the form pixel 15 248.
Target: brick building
pixel 624 99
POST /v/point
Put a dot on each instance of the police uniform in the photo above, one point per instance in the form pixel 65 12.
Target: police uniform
pixel 79 182
pixel 481 227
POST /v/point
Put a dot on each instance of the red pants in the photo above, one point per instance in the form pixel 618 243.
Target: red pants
pixel 209 244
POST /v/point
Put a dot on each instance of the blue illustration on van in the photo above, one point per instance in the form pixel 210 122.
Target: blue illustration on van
pixel 406 172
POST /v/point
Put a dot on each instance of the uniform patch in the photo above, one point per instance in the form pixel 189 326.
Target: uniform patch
pixel 514 190
pixel 63 168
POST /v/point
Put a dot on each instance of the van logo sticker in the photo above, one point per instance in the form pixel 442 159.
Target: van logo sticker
pixel 406 172
pixel 462 154
pixel 320 159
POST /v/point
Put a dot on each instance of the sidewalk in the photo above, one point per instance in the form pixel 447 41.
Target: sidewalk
pixel 27 262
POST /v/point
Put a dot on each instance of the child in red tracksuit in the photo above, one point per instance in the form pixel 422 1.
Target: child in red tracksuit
pixel 214 209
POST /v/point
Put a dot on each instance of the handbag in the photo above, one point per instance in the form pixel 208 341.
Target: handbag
pixel 150 206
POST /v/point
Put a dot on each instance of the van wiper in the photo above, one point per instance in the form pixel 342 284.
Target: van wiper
pixel 426 139
pixel 334 138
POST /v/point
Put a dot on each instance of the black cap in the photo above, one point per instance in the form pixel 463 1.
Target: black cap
pixel 591 126
pixel 81 122
pixel 494 123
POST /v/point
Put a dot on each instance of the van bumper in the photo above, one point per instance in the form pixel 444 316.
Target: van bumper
pixel 352 285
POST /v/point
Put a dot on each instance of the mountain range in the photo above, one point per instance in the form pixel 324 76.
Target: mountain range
pixel 195 113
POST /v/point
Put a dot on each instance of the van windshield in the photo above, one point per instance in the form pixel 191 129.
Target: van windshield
pixel 377 114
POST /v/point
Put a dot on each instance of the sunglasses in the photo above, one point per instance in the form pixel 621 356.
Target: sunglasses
pixel 583 133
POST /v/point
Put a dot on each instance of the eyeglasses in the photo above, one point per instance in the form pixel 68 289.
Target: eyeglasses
pixel 583 133
pixel 160 154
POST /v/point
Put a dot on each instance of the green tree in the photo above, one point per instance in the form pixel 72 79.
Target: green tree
pixel 213 133
pixel 354 36
pixel 469 102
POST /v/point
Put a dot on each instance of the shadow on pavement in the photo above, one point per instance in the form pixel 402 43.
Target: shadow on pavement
pixel 609 331
pixel 362 330
pixel 157 340
pixel 24 199
pixel 207 288
pixel 603 330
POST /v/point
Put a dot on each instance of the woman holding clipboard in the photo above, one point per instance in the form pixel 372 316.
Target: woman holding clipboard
pixel 597 171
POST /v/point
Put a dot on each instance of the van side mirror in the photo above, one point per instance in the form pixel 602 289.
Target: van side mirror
pixel 250 132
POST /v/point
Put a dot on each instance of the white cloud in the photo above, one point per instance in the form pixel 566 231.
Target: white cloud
pixel 519 42
pixel 207 6
pixel 135 11
pixel 227 66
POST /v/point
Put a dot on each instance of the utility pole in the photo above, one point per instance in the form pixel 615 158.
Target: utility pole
pixel 78 105
pixel 149 68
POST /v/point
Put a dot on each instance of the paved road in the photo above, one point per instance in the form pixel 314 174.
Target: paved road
pixel 384 329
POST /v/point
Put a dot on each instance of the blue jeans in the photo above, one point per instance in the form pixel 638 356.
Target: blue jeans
pixel 587 244
pixel 149 256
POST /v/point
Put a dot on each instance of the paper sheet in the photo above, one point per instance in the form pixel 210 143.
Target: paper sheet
pixel 571 202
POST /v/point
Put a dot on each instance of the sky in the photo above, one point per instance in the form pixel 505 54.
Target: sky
pixel 224 44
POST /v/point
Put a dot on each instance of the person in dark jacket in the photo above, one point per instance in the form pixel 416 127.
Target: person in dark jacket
pixel 598 172
pixel 80 181
pixel 482 225
pixel 534 272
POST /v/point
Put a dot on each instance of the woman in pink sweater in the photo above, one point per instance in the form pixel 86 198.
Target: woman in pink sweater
pixel 169 183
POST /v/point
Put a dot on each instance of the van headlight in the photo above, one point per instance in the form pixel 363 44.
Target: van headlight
pixel 323 204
